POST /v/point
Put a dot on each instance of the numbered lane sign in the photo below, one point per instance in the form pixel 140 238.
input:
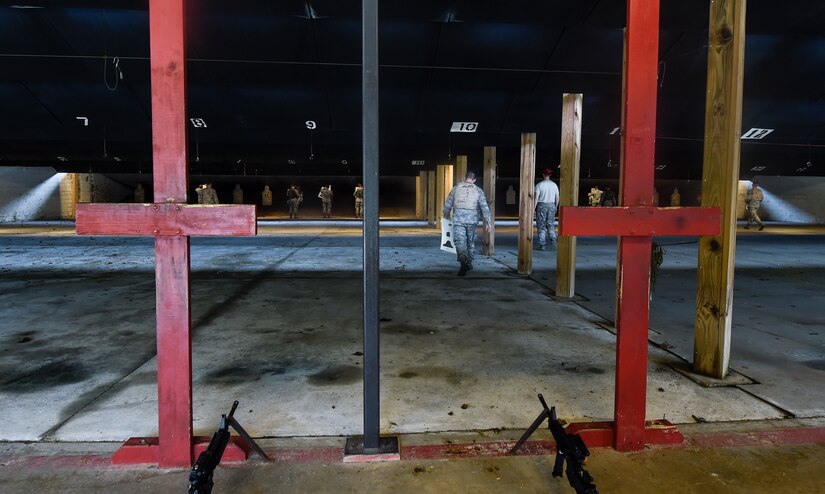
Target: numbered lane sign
pixel 464 127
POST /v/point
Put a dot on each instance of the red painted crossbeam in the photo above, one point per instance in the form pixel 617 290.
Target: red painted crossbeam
pixel 638 221
pixel 166 219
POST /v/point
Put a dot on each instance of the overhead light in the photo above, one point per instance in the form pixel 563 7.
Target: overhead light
pixel 615 131
pixel 343 162
pixel 661 167
pixel 291 162
pixel 85 120
pixel 311 125
pixel 310 12
pixel 756 133
pixel 758 168
pixel 26 7
pixel 62 158
pixel 117 158
pixel 198 122
pixel 449 15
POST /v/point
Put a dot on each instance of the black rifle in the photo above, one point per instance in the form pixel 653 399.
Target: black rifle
pixel 569 447
pixel 200 478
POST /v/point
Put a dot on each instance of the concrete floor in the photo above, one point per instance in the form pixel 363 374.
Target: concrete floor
pixel 277 326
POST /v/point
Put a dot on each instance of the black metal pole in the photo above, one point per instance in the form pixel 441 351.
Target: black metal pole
pixel 369 68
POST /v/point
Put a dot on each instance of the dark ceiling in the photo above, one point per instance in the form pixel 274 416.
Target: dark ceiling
pixel 258 70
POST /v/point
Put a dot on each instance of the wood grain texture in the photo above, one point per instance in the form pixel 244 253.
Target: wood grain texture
pixel 166 219
pixel 636 182
pixel 460 170
pixel 723 125
pixel 637 221
pixel 167 30
pixel 443 186
pixel 527 179
pixel 571 126
pixel 488 244
pixel 419 196
pixel 431 212
pixel 174 344
pixel 421 200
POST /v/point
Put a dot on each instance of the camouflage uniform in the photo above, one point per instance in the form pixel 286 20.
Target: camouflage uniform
pixel 465 201
pixel 293 198
pixel 545 219
pixel 753 199
pixel 210 196
pixel 207 195
pixel 359 202
pixel 326 201
pixel 546 197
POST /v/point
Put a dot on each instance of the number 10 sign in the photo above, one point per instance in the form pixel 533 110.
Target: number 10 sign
pixel 464 127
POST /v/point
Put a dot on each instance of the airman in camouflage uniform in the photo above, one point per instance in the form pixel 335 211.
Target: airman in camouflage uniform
pixel 326 200
pixel 466 202
pixel 753 199
pixel 359 201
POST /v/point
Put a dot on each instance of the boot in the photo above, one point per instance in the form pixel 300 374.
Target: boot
pixel 463 269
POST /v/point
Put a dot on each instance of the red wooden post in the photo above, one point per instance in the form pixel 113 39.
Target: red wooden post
pixel 635 223
pixel 171 221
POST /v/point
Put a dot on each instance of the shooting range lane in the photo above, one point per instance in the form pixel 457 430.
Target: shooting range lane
pixel 277 326
pixel 778 313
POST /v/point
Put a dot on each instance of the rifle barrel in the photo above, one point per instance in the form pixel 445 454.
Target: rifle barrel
pixel 232 412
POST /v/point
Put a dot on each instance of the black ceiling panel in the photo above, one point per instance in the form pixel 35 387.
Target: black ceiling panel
pixel 259 70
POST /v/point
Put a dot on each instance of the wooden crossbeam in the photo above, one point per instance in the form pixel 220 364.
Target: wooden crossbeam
pixel 166 219
pixel 637 221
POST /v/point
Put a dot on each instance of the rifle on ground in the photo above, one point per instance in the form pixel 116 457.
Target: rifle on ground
pixel 200 478
pixel 569 447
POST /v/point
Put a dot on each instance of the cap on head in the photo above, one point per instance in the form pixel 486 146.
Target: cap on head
pixel 548 172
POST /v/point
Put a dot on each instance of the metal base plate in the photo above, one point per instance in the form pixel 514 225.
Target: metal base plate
pixel 388 450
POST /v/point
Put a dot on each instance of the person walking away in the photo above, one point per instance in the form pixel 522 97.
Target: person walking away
pixel 545 202
pixel 465 204
pixel 753 199
pixel 359 200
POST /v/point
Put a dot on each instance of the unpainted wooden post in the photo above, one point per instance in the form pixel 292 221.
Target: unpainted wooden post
pixel 422 199
pixel 443 186
pixel 489 239
pixel 571 127
pixel 460 171
pixel 723 123
pixel 431 213
pixel 527 174
pixel 419 197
